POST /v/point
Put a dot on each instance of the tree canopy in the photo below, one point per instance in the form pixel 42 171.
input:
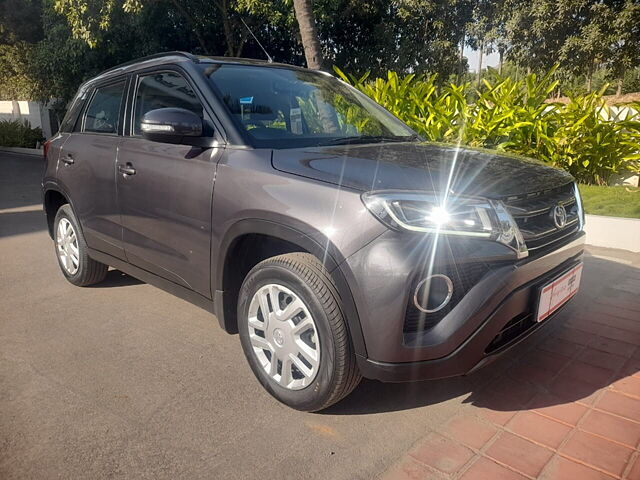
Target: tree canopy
pixel 48 47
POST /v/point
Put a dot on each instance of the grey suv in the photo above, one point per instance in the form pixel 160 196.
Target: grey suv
pixel 307 218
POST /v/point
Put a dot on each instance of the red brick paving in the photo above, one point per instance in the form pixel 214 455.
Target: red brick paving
pixel 598 452
pixel 634 473
pixel 409 469
pixel 560 346
pixel 613 346
pixel 567 409
pixel 568 387
pixel 496 416
pixel 613 427
pixel 548 405
pixel 628 385
pixel 620 404
pixel 561 468
pixel 602 359
pixel 485 469
pixel 471 431
pixel 541 429
pixel 441 453
pixel 520 454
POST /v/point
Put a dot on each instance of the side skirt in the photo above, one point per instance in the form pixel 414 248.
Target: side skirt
pixel 155 280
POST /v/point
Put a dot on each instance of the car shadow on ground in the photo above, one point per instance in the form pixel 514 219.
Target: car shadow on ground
pixel 116 278
pixel 593 343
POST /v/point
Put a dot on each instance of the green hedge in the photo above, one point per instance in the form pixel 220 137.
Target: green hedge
pixel 16 133
pixel 513 116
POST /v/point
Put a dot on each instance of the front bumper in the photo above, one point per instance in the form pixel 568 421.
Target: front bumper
pixel 468 336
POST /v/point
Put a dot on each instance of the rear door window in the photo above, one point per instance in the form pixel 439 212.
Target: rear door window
pixel 163 90
pixel 103 113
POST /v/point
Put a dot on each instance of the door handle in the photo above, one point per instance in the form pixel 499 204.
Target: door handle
pixel 68 159
pixel 126 170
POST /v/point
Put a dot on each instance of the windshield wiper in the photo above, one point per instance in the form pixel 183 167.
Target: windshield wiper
pixel 369 139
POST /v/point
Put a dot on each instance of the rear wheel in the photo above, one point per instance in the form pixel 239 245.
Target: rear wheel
pixel 294 334
pixel 72 251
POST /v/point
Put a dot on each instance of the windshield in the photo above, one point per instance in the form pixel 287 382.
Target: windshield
pixel 289 108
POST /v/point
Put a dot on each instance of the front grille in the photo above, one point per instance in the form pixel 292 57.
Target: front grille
pixel 463 277
pixel 534 215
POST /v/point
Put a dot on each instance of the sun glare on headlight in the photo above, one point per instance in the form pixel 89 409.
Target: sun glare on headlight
pixel 438 216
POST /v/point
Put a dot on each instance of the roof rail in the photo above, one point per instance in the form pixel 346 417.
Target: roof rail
pixel 188 55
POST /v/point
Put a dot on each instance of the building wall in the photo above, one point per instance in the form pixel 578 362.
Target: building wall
pixel 34 112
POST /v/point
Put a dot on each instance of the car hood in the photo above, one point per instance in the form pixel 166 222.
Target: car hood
pixel 421 166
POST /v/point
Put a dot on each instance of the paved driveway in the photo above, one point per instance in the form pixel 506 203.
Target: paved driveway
pixel 124 380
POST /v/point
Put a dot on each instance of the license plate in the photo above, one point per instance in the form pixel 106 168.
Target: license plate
pixel 558 292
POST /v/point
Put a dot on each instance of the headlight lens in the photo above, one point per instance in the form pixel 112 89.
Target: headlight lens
pixel 431 213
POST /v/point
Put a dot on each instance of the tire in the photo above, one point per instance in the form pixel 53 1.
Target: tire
pixel 298 275
pixel 88 271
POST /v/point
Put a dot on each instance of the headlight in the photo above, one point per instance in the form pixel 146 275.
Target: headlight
pixel 461 216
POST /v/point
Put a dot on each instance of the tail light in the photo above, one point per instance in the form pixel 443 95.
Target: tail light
pixel 45 148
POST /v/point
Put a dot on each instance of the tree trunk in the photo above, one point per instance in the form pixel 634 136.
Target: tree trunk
pixel 223 6
pixel 309 34
pixel 460 60
pixel 501 62
pixel 620 82
pixel 15 110
pixel 479 73
pixel 313 54
pixel 590 77
pixel 240 46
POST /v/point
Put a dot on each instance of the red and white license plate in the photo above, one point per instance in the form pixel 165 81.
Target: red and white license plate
pixel 558 292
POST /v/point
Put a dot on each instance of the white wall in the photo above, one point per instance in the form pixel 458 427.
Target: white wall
pixel 613 232
pixel 33 112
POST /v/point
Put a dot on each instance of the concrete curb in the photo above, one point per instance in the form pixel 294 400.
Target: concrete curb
pixel 613 232
pixel 26 151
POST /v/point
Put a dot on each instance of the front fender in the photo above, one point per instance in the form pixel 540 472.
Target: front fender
pixel 310 240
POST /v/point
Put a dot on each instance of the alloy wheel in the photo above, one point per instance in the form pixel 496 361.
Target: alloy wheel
pixel 67 246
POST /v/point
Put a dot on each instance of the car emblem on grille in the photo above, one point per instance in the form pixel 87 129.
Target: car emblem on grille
pixel 559 215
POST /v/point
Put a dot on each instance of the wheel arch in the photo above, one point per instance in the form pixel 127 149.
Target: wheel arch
pixel 53 199
pixel 250 241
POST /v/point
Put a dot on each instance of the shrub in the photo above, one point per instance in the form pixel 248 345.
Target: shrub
pixel 591 148
pixel 16 133
pixel 513 116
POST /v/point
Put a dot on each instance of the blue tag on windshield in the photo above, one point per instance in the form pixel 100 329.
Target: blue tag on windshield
pixel 246 100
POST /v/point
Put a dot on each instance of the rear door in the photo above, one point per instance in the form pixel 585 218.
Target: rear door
pixel 54 145
pixel 86 166
pixel 165 204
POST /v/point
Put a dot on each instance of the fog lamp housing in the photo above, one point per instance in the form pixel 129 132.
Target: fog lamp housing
pixel 433 293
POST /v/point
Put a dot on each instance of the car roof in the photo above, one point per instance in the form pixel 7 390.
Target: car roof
pixel 181 57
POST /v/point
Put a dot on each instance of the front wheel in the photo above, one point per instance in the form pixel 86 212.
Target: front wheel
pixel 294 334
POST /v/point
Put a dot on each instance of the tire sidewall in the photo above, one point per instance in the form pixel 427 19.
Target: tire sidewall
pixel 66 212
pixel 315 394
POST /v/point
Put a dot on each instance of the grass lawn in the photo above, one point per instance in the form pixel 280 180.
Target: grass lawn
pixel 611 201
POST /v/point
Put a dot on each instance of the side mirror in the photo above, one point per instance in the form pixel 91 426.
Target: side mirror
pixel 170 125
